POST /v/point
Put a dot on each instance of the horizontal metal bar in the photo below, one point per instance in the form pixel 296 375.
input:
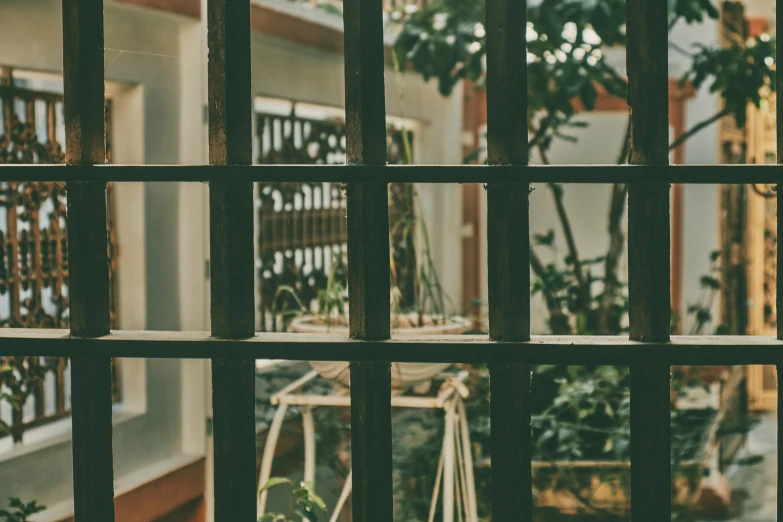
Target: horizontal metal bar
pixel 576 350
pixel 345 400
pixel 701 174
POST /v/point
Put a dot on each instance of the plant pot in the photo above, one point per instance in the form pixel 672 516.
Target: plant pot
pixel 404 375
pixel 560 488
pixel 608 482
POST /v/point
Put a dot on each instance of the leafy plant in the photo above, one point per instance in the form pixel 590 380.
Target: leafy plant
pixel 21 376
pixel 19 511
pixel 579 412
pixel 566 40
pixel 567 45
pixel 414 284
pixel 304 504
pixel 5 429
pixel 701 310
pixel 578 297
pixel 330 300
pixel 426 296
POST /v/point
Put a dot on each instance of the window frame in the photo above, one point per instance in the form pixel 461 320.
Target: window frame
pixel 232 344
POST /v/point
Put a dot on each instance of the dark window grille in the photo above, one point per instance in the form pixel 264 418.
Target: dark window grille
pixel 232 345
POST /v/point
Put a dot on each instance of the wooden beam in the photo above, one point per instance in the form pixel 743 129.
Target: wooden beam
pixel 368 257
pixel 648 259
pixel 779 274
pixel 680 350
pixel 231 258
pixel 508 229
pixel 588 174
pixel 88 285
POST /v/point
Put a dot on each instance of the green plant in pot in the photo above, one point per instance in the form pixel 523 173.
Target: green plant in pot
pixel 580 429
pixel 418 301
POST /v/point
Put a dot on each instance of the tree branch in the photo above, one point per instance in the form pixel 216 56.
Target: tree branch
pixel 558 322
pixel 680 50
pixel 622 159
pixel 616 242
pixel 698 127
pixel 537 135
pixel 565 223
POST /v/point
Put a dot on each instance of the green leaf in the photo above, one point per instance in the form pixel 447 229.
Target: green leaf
pixel 581 323
pixel 314 498
pixel 276 481
pixel 304 510
pixel 608 374
pixel 545 239
pixel 10 399
pixel 588 95
pixel 709 282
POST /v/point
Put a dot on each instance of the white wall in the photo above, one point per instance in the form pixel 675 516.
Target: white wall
pixel 142 56
pixel 701 210
pixel 289 71
pixel 761 8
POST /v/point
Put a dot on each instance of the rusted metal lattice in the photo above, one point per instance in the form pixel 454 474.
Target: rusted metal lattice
pixel 509 350
pixel 34 249
pixel 303 228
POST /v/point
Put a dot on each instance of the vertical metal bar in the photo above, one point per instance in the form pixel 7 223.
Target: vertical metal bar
pixel 779 275
pixel 231 258
pixel 88 284
pixel 648 258
pixel 368 261
pixel 508 225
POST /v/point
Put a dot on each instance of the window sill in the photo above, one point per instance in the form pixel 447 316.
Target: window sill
pixel 57 432
pixel 124 485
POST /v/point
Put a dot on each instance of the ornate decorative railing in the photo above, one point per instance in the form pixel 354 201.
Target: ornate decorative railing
pixel 302 225
pixel 34 255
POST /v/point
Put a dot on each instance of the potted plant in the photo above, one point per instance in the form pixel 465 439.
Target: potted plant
pixel 418 301
pixel 581 426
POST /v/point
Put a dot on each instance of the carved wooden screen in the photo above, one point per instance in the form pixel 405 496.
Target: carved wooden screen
pixel 34 252
pixel 302 226
pixel 509 351
pixel 761 244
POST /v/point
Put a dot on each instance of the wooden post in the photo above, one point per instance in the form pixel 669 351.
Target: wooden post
pixel 368 261
pixel 231 258
pixel 648 258
pixel 779 275
pixel 93 482
pixel 508 229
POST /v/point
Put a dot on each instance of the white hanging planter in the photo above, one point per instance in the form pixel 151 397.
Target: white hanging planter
pixel 404 375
